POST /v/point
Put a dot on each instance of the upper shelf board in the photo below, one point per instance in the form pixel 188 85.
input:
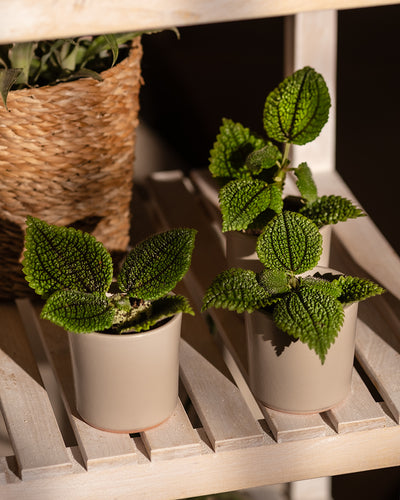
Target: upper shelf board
pixel 24 20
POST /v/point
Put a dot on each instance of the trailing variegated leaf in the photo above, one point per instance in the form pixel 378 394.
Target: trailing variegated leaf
pixel 263 159
pixel 312 316
pixel 233 145
pixel 290 242
pixel 305 183
pixel 274 282
pixel 357 289
pixel 243 200
pixel 157 310
pixel 296 111
pixel 156 265
pixel 59 258
pixel 236 290
pixel 79 312
pixel 7 79
pixel 331 210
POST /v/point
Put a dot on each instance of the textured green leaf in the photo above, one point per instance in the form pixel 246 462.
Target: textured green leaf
pixel 263 159
pixel 156 265
pixel 290 242
pixel 158 310
pixel 298 108
pixel 328 287
pixel 305 183
pixel 311 316
pixel 64 258
pixel 274 282
pixel 331 210
pixel 79 312
pixel 356 289
pixel 233 144
pixel 236 290
pixel 242 200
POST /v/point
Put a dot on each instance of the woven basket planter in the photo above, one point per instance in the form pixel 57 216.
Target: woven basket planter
pixel 66 156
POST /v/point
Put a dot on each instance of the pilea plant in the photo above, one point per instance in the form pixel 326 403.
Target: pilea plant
pixel 74 273
pixel 47 62
pixel 308 308
pixel 251 170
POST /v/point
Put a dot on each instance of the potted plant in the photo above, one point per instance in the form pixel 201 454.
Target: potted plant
pixel 123 334
pixel 251 170
pixel 68 118
pixel 301 326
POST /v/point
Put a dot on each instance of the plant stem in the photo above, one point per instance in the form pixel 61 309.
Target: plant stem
pixel 281 175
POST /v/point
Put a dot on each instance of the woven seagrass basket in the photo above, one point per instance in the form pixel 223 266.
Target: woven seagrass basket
pixel 66 156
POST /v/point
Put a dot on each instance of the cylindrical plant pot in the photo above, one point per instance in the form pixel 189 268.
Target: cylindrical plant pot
pixel 240 249
pixel 286 375
pixel 129 382
pixel 66 156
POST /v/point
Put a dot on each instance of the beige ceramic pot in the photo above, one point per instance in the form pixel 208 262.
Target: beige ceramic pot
pixel 126 383
pixel 288 376
pixel 240 249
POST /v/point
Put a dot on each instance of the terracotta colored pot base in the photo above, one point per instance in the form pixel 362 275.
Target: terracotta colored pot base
pixel 125 432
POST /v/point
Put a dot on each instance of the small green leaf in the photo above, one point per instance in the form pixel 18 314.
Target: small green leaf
pixel 233 145
pixel 156 265
pixel 311 316
pixel 236 290
pixel 64 258
pixel 79 312
pixel 21 56
pixel 357 289
pixel 7 79
pixel 242 200
pixel 113 43
pixel 305 183
pixel 328 287
pixel 331 210
pixel 290 242
pixel 298 108
pixel 263 159
pixel 274 282
pixel 158 310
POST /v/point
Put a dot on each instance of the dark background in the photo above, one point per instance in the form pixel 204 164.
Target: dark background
pixel 227 70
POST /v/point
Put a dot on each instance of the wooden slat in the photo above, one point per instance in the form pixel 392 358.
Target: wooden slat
pixel 381 363
pixel 26 20
pixel 3 468
pixel 288 427
pixel 359 411
pixel 223 412
pixel 97 447
pixel 174 438
pixel 25 405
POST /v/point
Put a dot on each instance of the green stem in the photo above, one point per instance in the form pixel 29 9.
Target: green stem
pixel 281 175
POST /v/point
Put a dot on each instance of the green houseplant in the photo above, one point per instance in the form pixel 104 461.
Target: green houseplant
pixel 73 272
pixel 68 120
pixel 252 170
pixel 300 317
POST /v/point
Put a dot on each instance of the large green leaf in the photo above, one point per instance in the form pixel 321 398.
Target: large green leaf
pixel 156 265
pixel 79 312
pixel 331 210
pixel 311 316
pixel 242 200
pixel 305 183
pixel 236 290
pixel 233 145
pixel 356 289
pixel 298 108
pixel 64 258
pixel 290 242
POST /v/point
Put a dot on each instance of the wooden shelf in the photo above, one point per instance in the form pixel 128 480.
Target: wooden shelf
pixel 23 20
pixel 218 439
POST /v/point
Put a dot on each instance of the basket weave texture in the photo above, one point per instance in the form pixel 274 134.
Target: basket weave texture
pixel 66 156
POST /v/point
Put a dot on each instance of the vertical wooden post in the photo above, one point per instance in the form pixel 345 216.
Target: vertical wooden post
pixel 311 40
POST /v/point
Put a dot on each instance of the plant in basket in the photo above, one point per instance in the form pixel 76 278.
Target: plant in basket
pixel 68 121
pixel 123 334
pixel 301 324
pixel 252 170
